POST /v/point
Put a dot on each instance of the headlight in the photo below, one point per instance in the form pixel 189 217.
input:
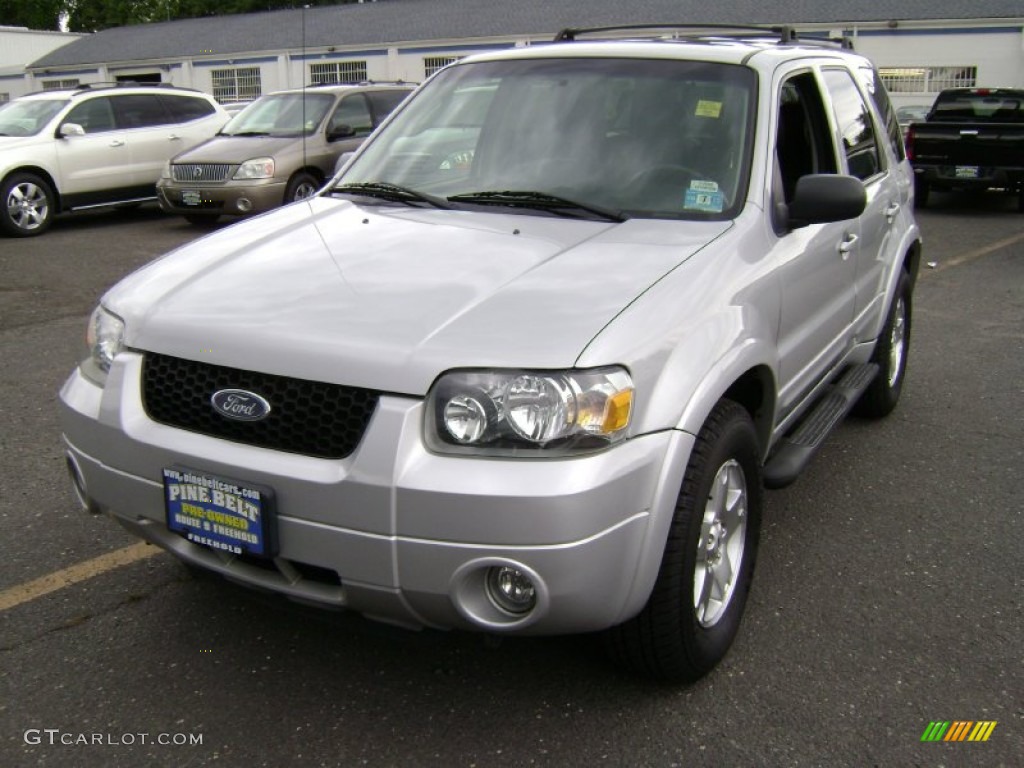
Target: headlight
pixel 260 168
pixel 504 413
pixel 166 172
pixel 104 338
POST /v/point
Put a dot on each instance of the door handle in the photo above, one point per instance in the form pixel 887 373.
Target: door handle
pixel 846 246
pixel 116 143
pixel 891 211
pixel 174 137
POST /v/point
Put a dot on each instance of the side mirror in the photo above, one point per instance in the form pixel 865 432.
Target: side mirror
pixel 71 129
pixel 823 198
pixel 342 162
pixel 341 132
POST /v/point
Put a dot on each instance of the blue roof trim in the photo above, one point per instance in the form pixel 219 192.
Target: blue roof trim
pixel 234 62
pixel 456 48
pixel 12 77
pixel 67 72
pixel 336 55
pixel 944 31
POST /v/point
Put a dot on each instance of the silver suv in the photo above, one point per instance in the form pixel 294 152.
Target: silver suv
pixel 277 150
pixel 526 364
pixel 94 145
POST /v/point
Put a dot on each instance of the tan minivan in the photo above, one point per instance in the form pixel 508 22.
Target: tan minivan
pixel 279 149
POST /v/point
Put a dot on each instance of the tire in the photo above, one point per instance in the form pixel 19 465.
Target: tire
pixel 28 205
pixel 890 354
pixel 301 186
pixel 921 192
pixel 201 219
pixel 684 631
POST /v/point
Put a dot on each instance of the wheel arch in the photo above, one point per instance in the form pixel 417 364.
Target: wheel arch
pixel 42 173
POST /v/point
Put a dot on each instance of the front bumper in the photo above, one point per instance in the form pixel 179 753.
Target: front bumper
pixel 393 531
pixel 230 198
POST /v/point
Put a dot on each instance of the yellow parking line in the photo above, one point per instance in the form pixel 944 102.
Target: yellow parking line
pixel 73 574
pixel 977 253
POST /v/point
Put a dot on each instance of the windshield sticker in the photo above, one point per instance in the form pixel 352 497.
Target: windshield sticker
pixel 709 109
pixel 706 201
pixel 704 186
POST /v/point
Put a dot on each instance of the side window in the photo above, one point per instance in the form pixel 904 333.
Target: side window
pixel 384 103
pixel 875 87
pixel 139 110
pixel 803 144
pixel 354 112
pixel 94 115
pixel 185 108
pixel 856 128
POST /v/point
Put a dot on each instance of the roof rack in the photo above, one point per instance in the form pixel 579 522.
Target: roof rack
pixel 783 34
pixel 125 84
pixel 361 82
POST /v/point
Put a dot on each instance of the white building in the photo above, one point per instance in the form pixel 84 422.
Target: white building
pixel 920 47
pixel 19 47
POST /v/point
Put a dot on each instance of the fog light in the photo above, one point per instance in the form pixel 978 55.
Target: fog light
pixel 510 589
pixel 244 204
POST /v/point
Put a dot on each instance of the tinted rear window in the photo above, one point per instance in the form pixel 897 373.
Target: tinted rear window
pixel 982 105
pixel 185 108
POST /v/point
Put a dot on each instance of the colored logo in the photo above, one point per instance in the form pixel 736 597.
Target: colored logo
pixel 958 730
pixel 240 405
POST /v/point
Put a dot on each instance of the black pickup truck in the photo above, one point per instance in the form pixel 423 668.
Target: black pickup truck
pixel 973 138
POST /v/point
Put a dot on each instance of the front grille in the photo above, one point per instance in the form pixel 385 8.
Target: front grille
pixel 197 173
pixel 308 417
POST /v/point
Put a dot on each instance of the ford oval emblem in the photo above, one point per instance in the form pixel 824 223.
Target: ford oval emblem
pixel 240 405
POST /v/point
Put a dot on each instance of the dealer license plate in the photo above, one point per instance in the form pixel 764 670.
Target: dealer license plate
pixel 220 514
pixel 191 197
pixel 967 171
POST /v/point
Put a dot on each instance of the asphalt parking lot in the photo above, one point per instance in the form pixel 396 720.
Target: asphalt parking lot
pixel 887 592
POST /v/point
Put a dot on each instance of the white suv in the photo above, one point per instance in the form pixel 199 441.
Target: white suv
pixel 93 145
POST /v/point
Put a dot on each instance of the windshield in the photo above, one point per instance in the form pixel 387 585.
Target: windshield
pixel 27 118
pixel 641 137
pixel 282 114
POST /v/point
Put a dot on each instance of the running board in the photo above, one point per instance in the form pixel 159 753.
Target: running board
pixel 796 449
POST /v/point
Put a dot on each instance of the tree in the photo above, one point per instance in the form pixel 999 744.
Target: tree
pixel 39 14
pixel 94 15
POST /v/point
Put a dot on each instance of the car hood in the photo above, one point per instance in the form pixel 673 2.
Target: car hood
pixel 388 297
pixel 235 149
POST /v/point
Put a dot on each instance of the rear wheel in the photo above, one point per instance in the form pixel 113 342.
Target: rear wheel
pixel 921 192
pixel 890 354
pixel 28 205
pixel 694 611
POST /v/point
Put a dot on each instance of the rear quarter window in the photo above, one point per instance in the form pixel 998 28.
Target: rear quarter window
pixel 140 110
pixel 185 108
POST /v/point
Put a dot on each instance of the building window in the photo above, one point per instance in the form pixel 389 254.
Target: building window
pixel 56 85
pixel 337 72
pixel 927 79
pixel 242 84
pixel 433 63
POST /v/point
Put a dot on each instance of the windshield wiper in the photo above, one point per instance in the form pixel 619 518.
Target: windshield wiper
pixel 246 133
pixel 393 193
pixel 538 200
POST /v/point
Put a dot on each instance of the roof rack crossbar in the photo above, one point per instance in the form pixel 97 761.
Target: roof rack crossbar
pixel 784 34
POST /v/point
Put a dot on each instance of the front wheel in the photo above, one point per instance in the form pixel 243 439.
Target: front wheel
pixel 28 205
pixel 301 186
pixel 890 354
pixel 693 613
